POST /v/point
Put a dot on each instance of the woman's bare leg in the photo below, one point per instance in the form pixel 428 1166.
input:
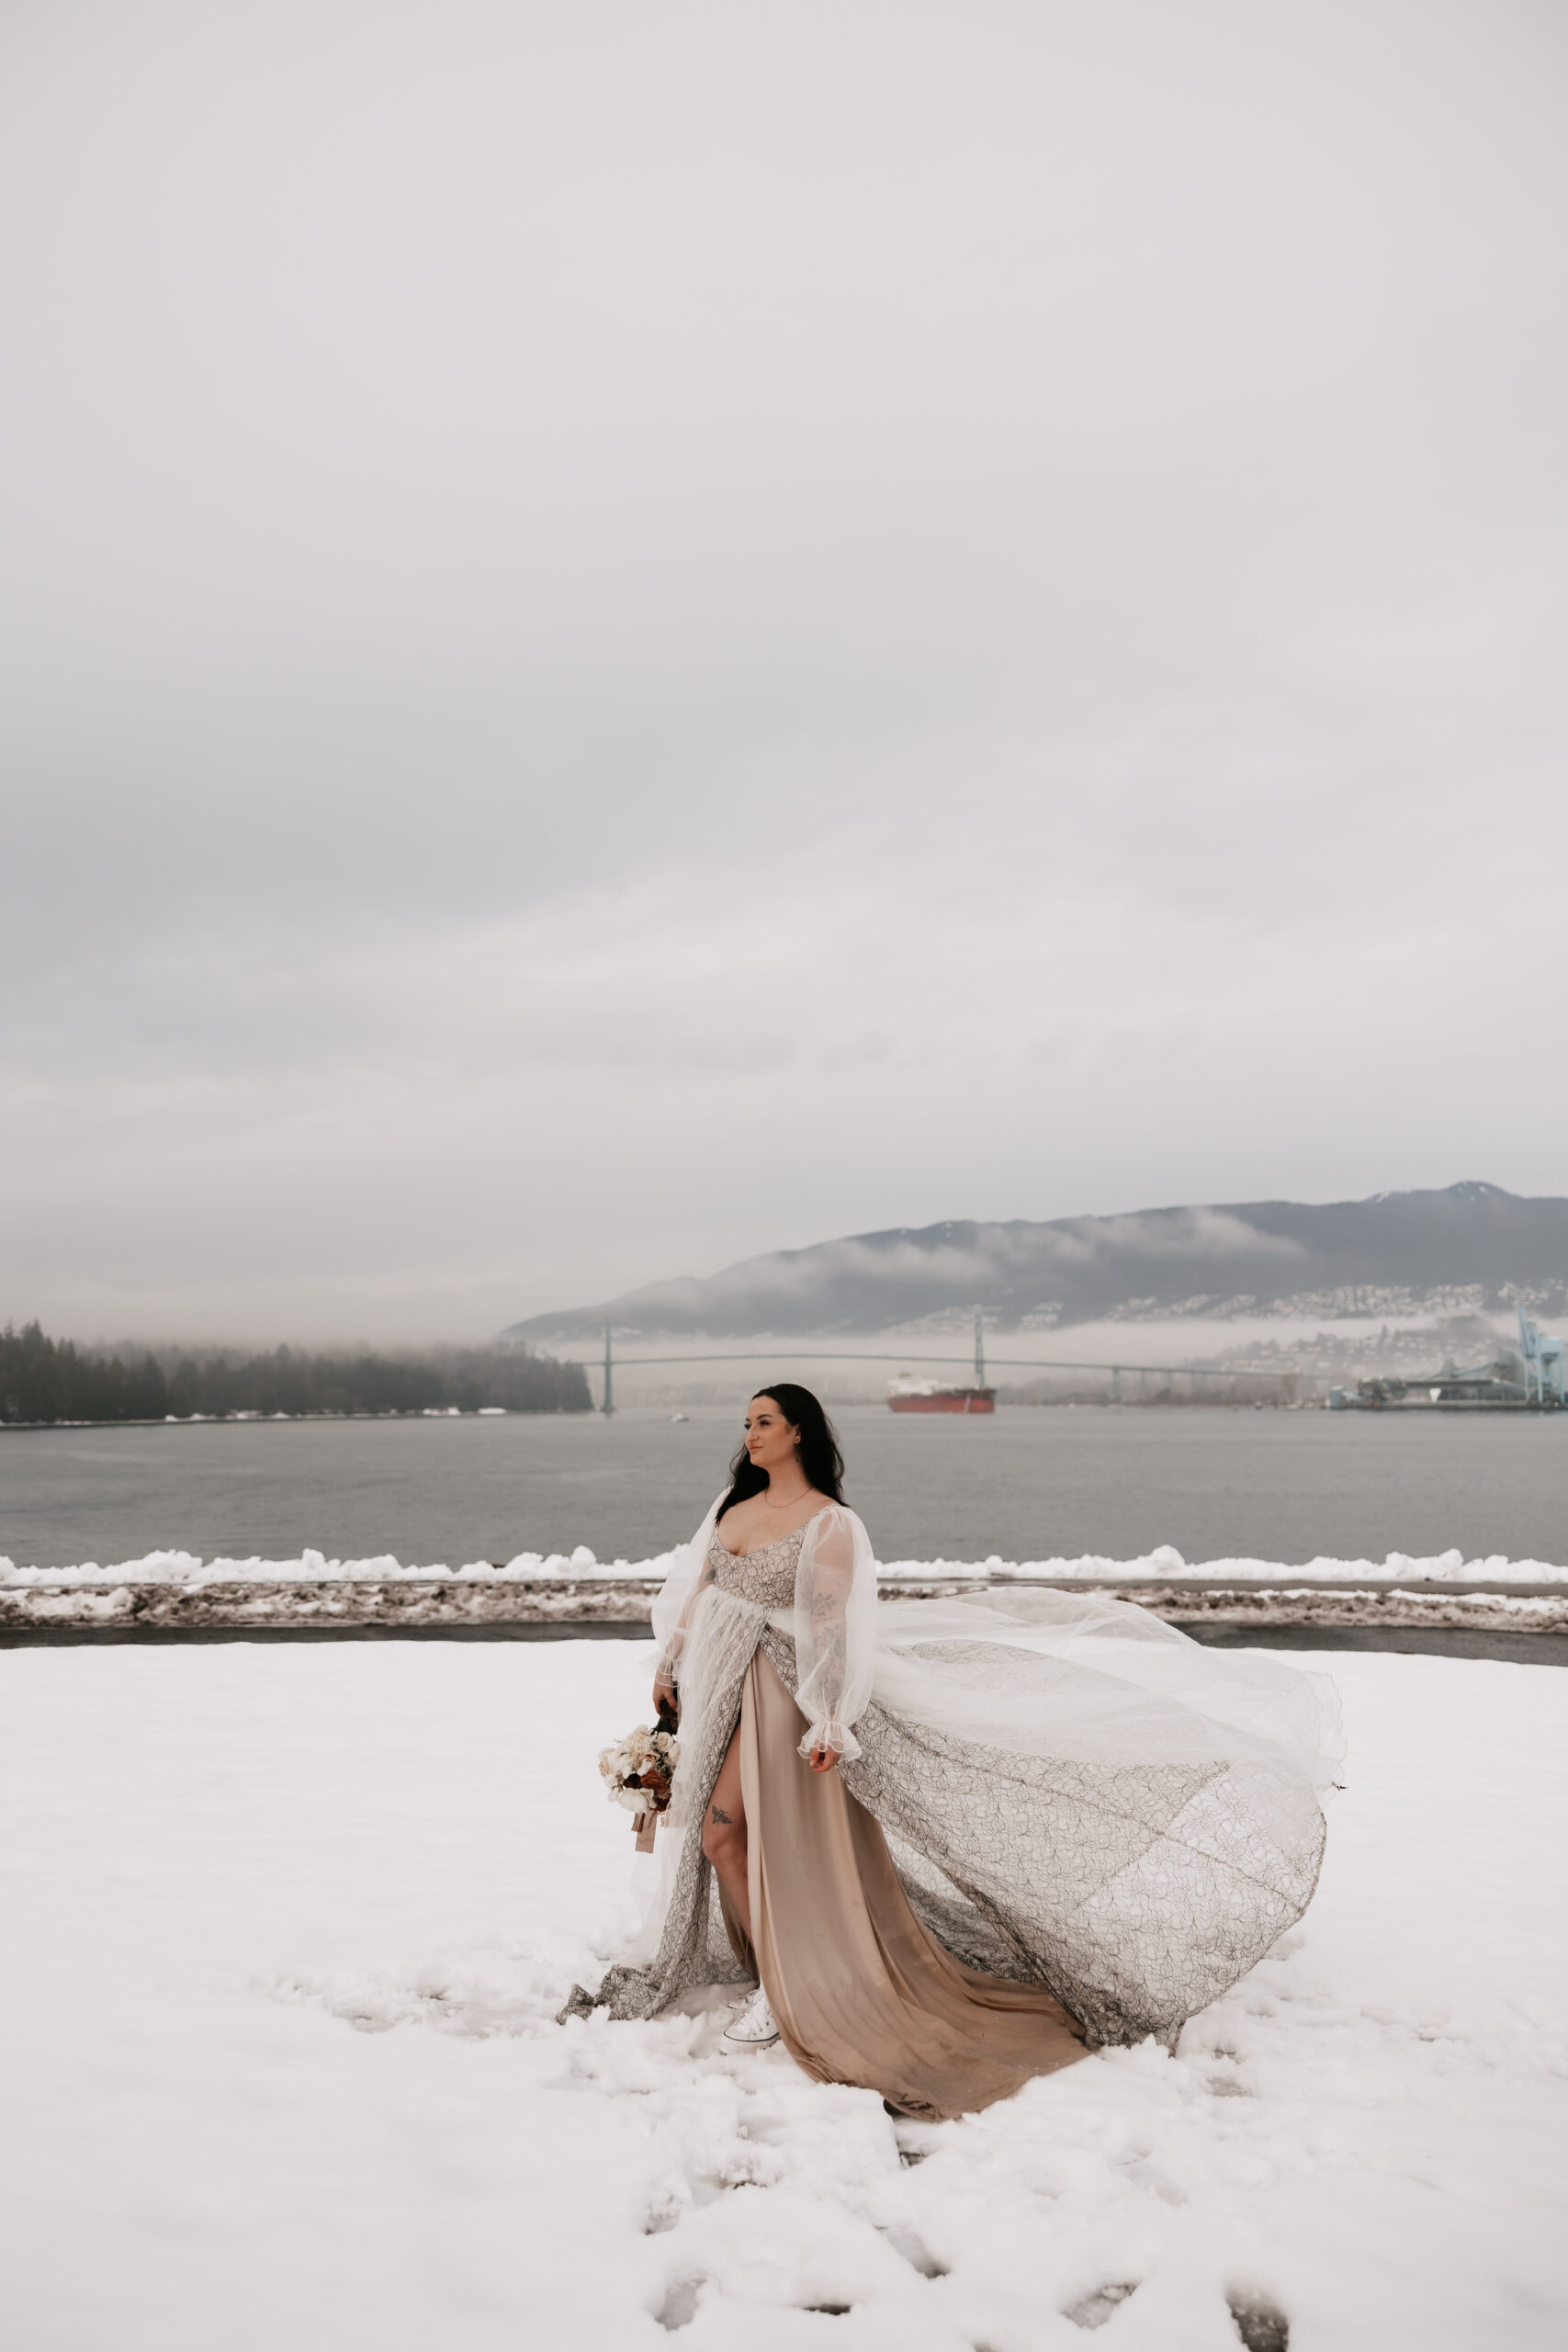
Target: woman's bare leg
pixel 724 1835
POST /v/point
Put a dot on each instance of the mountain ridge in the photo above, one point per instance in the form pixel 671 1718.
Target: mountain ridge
pixel 1479 1246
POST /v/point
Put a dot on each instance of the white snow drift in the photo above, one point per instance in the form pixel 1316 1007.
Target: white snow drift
pixel 285 1929
pixel 1164 1565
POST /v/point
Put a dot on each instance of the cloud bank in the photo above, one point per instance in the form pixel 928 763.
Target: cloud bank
pixel 635 637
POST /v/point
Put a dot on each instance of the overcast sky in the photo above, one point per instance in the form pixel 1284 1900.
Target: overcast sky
pixel 637 632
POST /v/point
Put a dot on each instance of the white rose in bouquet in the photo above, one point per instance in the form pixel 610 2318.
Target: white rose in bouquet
pixel 639 1768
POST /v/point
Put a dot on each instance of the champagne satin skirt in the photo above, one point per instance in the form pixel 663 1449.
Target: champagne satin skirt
pixel 861 1992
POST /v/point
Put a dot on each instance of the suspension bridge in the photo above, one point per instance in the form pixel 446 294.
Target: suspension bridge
pixel 610 1363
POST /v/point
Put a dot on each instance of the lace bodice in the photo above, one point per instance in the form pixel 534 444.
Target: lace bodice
pixel 766 1577
pixel 821 1577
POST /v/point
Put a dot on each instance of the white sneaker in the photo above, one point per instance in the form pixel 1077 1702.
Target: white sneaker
pixel 755 2026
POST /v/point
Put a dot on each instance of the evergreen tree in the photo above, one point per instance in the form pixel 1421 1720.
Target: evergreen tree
pixel 43 1380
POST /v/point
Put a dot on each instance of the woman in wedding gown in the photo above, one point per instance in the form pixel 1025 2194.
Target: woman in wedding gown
pixel 956 1843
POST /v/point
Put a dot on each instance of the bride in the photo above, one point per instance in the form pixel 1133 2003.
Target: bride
pixel 954 1843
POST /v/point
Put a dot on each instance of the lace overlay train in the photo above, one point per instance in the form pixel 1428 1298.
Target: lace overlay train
pixel 1068 1796
pixel 735 1597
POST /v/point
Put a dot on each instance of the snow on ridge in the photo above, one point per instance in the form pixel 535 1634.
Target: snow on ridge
pixel 1164 1565
pixel 187 1568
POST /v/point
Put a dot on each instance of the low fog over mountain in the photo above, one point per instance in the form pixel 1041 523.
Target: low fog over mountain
pixel 1472 1246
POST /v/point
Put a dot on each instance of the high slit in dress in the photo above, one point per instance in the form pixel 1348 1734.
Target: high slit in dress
pixel 1022 1852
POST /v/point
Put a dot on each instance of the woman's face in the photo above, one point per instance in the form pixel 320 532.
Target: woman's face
pixel 769 1441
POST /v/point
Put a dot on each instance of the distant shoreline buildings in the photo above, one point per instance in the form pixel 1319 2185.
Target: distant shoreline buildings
pixel 1528 1380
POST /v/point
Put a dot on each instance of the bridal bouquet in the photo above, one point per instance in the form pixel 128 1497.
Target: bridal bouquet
pixel 639 1770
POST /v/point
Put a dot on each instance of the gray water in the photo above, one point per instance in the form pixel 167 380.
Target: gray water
pixel 1025 1484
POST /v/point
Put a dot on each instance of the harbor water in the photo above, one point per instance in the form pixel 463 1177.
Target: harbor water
pixel 1025 1484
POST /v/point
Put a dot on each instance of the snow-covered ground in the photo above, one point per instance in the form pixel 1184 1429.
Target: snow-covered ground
pixel 1164 1566
pixel 284 1930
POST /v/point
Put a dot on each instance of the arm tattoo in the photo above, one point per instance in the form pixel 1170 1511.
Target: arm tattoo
pixel 717 1812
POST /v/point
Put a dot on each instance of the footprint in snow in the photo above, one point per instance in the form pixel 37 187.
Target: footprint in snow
pixel 1261 2325
pixel 1093 2311
pixel 679 2308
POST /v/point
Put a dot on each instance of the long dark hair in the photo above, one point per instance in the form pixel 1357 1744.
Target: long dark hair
pixel 820 1456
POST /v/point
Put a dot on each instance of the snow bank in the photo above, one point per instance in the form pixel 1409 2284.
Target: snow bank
pixel 188 1569
pixel 1163 1566
pixel 290 1927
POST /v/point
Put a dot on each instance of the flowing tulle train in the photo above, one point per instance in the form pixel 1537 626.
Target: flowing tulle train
pixel 1060 1816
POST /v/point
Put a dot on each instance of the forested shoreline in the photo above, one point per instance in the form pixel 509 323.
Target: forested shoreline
pixel 44 1380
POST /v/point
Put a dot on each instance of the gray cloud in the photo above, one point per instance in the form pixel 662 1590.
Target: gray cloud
pixel 635 636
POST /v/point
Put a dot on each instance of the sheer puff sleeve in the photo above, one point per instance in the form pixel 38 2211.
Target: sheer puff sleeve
pixel 672 1611
pixel 835 1629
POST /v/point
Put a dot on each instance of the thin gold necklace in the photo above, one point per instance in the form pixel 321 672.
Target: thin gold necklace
pixel 791 1499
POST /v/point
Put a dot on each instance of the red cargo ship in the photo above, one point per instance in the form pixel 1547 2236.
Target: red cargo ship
pixel 908 1395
